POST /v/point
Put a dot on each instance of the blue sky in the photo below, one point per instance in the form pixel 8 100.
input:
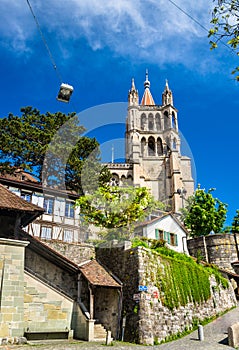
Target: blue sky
pixel 98 46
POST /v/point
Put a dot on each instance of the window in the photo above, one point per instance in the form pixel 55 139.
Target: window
pixel 68 236
pixel 143 146
pixel 151 146
pixel 27 196
pixel 157 122
pixel 46 232
pixel 69 210
pixel 166 121
pixel 151 122
pixel 159 147
pixel 170 238
pixel 158 234
pixel 59 207
pixel 173 121
pixel 143 122
pixel 48 205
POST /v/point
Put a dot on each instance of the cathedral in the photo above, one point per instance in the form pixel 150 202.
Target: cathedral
pixel 153 156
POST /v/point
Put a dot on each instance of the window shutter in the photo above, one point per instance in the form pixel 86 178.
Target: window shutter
pixel 156 233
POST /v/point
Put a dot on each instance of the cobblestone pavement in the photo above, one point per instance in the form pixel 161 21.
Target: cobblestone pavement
pixel 215 338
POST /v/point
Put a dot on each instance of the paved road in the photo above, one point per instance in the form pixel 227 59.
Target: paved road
pixel 215 338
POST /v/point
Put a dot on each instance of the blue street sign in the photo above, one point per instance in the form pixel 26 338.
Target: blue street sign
pixel 143 288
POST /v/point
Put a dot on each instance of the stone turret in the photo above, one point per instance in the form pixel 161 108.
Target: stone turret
pixel 167 96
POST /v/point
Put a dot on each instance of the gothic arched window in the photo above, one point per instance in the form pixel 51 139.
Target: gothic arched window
pixel 151 122
pixel 129 180
pixel 143 146
pixel 143 121
pixel 174 143
pixel 157 122
pixel 159 147
pixel 173 120
pixel 114 180
pixel 166 120
pixel 151 146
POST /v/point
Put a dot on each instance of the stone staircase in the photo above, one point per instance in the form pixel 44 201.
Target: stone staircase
pixel 100 333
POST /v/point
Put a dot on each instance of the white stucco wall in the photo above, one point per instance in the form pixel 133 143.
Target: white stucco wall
pixel 167 224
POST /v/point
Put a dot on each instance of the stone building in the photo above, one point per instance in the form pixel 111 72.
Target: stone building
pixel 45 294
pixel 153 155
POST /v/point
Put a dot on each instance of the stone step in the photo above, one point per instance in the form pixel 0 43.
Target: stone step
pixel 100 333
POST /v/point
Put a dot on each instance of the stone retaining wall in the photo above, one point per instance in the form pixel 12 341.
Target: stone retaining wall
pixel 218 249
pixel 147 320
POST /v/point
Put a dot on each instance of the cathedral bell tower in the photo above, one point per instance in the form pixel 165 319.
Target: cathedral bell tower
pixel 153 147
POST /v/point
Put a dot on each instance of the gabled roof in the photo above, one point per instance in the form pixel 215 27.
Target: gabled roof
pixel 97 275
pixel 12 203
pixel 160 218
pixel 19 175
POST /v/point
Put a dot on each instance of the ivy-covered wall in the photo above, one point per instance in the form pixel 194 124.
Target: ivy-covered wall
pixel 177 292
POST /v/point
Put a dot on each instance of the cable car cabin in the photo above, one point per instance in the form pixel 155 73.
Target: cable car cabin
pixel 65 92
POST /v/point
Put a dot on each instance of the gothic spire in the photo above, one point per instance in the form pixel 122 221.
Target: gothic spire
pixel 133 96
pixel 147 99
pixel 167 97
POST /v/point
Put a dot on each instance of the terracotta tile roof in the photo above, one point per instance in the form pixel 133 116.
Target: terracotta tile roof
pixel 97 275
pixel 11 201
pixel 19 175
pixel 147 99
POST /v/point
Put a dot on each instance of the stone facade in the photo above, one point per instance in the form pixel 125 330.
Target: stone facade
pixel 153 155
pixel 50 272
pixel 45 309
pixel 147 320
pixel 12 287
pixel 76 252
pixel 218 249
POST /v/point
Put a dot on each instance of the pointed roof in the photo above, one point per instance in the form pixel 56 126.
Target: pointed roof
pixel 12 203
pixel 132 85
pixel 167 97
pixel 97 275
pixel 147 99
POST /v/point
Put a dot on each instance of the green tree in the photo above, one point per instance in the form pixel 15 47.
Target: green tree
pixel 117 209
pixel 203 213
pixel 51 146
pixel 235 223
pixel 225 25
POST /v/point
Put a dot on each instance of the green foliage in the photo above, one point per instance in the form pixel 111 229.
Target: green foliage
pixel 225 25
pixel 182 279
pixel 49 145
pixel 203 213
pixel 116 208
pixel 147 242
pixel 183 282
pixel 235 223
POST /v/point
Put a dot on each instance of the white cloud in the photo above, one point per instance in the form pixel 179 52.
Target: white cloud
pixel 152 30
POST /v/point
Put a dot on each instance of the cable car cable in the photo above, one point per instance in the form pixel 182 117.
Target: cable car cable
pixel 66 90
pixel 45 42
